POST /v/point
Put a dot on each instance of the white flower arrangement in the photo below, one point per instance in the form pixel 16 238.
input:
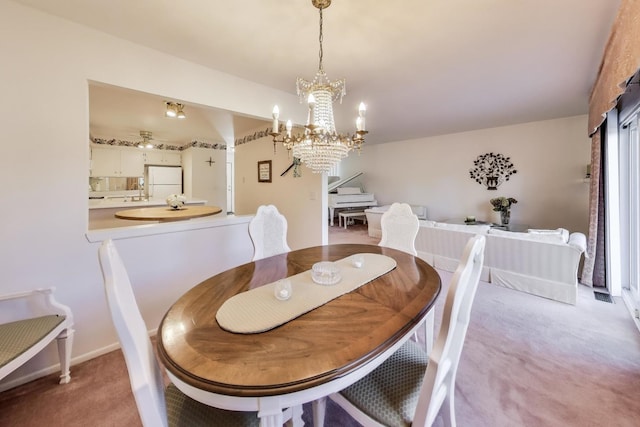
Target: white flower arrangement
pixel 176 201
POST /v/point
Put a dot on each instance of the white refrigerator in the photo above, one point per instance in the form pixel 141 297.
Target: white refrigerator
pixel 163 181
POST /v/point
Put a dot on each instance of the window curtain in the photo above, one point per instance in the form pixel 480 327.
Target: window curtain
pixel 593 271
pixel 620 61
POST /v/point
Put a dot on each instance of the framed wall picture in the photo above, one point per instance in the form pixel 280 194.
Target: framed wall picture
pixel 264 171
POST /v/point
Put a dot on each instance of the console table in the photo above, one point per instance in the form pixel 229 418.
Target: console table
pixel 520 228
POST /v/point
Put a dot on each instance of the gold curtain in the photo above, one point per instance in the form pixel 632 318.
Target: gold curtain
pixel 594 211
pixel 619 63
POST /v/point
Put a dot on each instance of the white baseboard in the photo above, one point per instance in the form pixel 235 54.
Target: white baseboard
pixel 4 386
pixel 629 302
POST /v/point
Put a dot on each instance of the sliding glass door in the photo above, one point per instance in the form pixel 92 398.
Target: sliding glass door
pixel 629 167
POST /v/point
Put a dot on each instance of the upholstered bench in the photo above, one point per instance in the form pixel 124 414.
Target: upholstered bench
pixel 348 216
pixel 23 338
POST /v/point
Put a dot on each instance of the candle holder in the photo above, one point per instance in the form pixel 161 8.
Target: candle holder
pixel 282 289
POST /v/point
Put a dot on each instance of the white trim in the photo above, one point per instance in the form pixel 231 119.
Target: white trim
pixel 55 368
pixel 324 194
pixel 612 201
pixel 31 376
pixel 629 302
pixel 94 236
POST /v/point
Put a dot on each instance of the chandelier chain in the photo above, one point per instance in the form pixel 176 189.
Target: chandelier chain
pixel 320 54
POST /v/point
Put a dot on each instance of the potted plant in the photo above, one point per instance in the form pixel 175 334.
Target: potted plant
pixel 503 205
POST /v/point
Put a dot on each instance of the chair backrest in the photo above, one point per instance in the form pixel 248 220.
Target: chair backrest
pixel 144 373
pixel 399 228
pixel 440 377
pixel 268 232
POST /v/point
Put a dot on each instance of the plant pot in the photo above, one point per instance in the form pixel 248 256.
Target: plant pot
pixel 504 217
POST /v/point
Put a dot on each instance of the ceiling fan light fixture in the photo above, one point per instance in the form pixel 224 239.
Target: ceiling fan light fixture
pixel 172 110
pixel 146 139
pixel 180 114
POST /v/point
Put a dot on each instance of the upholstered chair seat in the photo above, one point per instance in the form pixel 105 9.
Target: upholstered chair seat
pixel 182 411
pixel 25 334
pixel 412 388
pixel 390 393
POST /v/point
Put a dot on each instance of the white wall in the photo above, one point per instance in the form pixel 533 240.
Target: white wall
pixel 46 65
pixel 298 199
pixel 205 181
pixel 550 157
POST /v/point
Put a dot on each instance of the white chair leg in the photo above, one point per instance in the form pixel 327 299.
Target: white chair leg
pixel 319 407
pixel 65 342
pixel 429 326
pixel 447 409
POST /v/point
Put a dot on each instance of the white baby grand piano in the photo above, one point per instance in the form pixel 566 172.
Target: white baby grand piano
pixel 348 197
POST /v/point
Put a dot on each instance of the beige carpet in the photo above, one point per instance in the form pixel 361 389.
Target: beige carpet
pixel 527 361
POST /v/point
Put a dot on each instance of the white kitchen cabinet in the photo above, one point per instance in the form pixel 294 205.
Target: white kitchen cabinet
pixel 162 157
pixel 111 161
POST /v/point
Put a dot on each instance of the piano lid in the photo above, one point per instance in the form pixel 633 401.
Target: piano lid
pixel 334 185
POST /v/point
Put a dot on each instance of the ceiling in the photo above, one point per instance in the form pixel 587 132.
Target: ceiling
pixel 120 113
pixel 423 67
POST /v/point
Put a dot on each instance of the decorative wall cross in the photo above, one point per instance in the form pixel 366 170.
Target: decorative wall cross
pixel 210 161
pixel 492 170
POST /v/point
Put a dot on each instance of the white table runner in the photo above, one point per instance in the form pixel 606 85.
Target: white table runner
pixel 258 310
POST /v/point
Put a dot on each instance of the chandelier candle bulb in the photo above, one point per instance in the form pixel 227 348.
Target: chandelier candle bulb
pixel 362 110
pixel 359 123
pixel 311 100
pixel 289 126
pixel 276 113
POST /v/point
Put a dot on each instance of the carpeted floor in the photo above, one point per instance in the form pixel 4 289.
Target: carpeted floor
pixel 527 361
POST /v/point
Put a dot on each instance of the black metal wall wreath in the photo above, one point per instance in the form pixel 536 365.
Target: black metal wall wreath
pixel 492 170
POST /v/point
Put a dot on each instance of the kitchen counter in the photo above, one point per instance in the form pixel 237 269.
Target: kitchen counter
pixel 167 214
pixel 102 211
pixel 120 203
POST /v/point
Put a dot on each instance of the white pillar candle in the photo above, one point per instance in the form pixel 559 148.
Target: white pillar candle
pixel 311 100
pixel 276 113
pixel 361 113
pixel 289 126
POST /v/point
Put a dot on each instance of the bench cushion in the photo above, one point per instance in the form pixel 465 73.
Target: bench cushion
pixel 17 337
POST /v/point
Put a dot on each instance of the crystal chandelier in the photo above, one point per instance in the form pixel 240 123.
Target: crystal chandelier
pixel 320 147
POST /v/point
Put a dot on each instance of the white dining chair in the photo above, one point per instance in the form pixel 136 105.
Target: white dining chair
pixel 157 405
pixel 268 232
pixel 411 388
pixel 399 228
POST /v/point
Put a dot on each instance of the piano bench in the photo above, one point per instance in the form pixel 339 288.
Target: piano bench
pixel 346 216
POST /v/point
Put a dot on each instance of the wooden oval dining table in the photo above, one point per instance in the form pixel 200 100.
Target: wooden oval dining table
pixel 318 353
